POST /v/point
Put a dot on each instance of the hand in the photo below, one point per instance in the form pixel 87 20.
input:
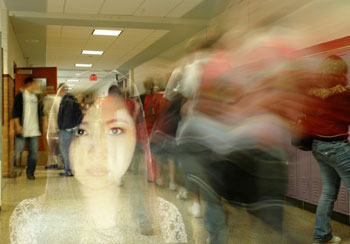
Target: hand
pixel 18 129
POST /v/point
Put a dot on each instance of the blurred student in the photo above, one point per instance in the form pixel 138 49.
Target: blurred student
pixel 26 113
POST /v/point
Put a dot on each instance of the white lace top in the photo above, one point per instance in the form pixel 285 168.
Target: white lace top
pixel 36 222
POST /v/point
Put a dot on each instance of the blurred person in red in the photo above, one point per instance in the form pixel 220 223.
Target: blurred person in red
pixel 153 105
pixel 327 124
pixel 182 86
pixel 236 133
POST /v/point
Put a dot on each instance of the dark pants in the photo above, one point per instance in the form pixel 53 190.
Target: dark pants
pixel 33 143
pixel 64 140
pixel 251 178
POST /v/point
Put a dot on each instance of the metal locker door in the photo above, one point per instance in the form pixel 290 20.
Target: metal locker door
pixel 303 175
pixel 292 175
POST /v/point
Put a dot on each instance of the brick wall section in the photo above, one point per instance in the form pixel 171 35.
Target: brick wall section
pixel 7 141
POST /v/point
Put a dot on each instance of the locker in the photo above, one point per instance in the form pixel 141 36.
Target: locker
pixel 303 175
pixel 292 173
pixel 292 179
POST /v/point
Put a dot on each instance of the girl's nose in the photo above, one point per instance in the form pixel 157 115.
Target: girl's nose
pixel 97 146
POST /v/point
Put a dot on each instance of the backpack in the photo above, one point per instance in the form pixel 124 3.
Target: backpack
pixel 69 113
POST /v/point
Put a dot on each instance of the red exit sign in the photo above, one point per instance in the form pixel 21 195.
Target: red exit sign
pixel 93 77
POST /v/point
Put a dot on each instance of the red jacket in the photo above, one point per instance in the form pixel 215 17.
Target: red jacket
pixel 154 104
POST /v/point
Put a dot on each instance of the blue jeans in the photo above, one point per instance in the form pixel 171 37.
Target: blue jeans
pixel 334 160
pixel 33 143
pixel 248 176
pixel 64 140
pixel 215 219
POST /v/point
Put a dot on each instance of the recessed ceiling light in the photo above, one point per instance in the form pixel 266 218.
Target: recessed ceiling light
pixel 83 65
pixel 92 52
pixel 72 80
pixel 98 32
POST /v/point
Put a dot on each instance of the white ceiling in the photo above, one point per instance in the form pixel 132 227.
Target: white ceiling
pixel 154 8
pixel 149 27
pixel 65 44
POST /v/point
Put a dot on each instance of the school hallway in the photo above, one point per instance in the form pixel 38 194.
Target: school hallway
pixel 299 222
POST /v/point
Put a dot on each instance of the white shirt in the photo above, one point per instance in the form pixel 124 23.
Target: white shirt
pixel 53 114
pixel 173 87
pixel 30 115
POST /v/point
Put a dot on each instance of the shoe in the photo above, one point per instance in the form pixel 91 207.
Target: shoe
pixel 334 240
pixel 51 166
pixel 172 186
pixel 183 194
pixel 146 230
pixel 66 174
pixel 160 182
pixel 30 177
pixel 195 210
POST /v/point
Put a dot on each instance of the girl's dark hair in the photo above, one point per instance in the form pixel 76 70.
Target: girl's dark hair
pixel 28 80
pixel 333 70
pixel 114 90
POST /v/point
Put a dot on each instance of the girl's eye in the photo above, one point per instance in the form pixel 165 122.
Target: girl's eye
pixel 115 131
pixel 81 132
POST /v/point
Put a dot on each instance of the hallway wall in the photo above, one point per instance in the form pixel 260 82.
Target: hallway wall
pixel 12 53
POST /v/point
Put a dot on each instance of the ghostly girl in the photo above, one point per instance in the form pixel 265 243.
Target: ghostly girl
pixel 91 207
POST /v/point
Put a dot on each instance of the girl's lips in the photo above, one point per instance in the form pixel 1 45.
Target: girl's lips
pixel 97 171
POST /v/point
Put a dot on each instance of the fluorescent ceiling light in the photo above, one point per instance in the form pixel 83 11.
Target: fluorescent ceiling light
pixel 92 52
pixel 72 80
pixel 83 65
pixel 98 32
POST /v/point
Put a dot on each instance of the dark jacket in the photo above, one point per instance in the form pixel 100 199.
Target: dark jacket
pixel 69 113
pixel 17 111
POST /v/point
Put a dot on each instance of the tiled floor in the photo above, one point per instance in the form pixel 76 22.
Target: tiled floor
pixel 298 223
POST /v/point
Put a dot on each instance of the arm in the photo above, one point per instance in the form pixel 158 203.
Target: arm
pixel 18 127
pixel 17 113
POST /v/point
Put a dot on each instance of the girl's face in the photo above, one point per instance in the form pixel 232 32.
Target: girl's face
pixel 103 146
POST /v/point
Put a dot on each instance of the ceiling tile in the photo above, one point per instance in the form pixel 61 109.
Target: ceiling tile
pixel 55 6
pixel 53 31
pixel 76 32
pixel 184 7
pixel 67 43
pixel 99 43
pixel 120 7
pixel 83 6
pixel 130 38
pixel 142 45
pixel 156 35
pixel 157 8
